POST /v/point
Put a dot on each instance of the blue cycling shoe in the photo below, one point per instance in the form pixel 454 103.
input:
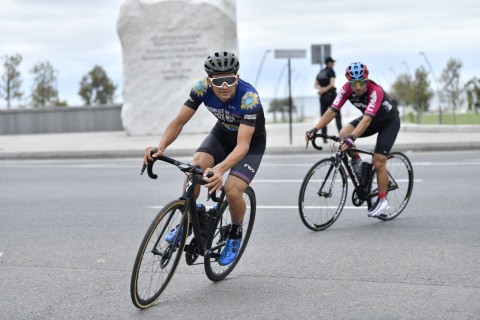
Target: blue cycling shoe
pixel 171 235
pixel 229 252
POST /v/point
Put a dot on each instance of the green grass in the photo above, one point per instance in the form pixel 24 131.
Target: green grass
pixel 447 118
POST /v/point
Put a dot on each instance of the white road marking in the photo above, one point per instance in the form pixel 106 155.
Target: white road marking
pixel 300 181
pixel 308 207
pixel 290 207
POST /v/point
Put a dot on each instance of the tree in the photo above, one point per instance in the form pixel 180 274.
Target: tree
pixel 451 84
pixel 11 81
pixel 44 91
pixel 472 88
pixel 403 89
pixel 96 88
pixel 421 92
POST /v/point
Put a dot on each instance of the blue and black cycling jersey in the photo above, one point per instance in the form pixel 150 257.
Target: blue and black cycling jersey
pixel 243 108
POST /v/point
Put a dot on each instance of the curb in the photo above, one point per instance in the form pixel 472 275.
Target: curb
pixel 187 152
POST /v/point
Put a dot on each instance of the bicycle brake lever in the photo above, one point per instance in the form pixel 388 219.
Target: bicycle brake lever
pixel 143 169
pixel 214 196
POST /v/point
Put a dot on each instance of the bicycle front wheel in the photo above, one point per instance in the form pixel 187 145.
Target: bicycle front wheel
pixel 400 185
pixel 322 195
pixel 214 271
pixel 157 259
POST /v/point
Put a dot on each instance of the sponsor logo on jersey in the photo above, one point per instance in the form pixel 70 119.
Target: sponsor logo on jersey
pixel 200 87
pixel 360 105
pixel 373 100
pixel 339 97
pixel 246 165
pixel 249 101
pixel 387 105
pixel 230 127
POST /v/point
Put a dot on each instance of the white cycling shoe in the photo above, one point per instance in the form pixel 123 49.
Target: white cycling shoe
pixel 379 208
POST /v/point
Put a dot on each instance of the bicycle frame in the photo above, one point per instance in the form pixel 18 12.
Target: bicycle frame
pixel 189 197
pixel 194 177
pixel 343 157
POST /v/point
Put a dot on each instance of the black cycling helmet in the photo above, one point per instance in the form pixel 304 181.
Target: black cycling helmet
pixel 221 62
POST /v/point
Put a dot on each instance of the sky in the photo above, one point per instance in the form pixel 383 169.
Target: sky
pixel 387 36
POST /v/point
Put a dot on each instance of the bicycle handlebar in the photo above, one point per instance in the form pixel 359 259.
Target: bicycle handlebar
pixel 185 167
pixel 321 135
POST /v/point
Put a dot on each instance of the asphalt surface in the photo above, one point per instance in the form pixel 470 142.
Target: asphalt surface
pixel 70 230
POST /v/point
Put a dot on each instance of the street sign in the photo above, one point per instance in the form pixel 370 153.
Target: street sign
pixel 320 52
pixel 290 53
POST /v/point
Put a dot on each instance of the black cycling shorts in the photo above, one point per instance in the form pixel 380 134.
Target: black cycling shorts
pixel 220 143
pixel 387 134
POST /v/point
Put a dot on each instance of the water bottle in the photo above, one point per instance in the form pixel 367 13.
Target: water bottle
pixel 357 168
pixel 202 214
pixel 210 221
pixel 366 171
pixel 212 210
pixel 200 208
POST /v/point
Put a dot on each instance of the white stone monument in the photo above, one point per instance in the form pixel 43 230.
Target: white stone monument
pixel 165 43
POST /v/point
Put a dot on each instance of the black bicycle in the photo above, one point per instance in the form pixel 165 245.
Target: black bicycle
pixel 324 189
pixel 158 258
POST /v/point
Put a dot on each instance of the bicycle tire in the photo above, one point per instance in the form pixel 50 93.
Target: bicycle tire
pixel 320 211
pixel 400 179
pixel 151 275
pixel 213 270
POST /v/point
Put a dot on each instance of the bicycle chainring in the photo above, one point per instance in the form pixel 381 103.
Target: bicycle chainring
pixel 191 252
pixel 357 201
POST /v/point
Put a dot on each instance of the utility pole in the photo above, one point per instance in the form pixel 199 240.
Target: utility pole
pixel 436 85
pixel 260 67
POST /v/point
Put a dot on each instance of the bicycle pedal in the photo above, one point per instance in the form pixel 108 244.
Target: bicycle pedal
pixel 214 255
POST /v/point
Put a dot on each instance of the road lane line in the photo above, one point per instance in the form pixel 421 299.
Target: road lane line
pixel 288 207
pixel 296 180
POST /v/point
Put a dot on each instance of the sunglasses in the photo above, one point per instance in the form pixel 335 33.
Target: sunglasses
pixel 355 83
pixel 219 82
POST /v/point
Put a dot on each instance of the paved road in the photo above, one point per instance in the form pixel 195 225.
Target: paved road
pixel 69 231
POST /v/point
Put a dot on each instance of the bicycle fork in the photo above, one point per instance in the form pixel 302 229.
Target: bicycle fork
pixel 335 168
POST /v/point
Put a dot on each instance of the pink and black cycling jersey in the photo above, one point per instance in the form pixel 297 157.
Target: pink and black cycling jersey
pixel 374 103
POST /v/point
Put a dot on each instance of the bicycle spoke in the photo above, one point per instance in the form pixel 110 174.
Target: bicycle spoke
pixel 400 184
pixel 215 271
pixel 157 259
pixel 322 195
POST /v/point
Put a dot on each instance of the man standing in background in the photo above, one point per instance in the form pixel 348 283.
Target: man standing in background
pixel 325 86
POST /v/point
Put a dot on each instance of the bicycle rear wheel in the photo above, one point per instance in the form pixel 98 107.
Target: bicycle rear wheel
pixel 214 271
pixel 156 258
pixel 322 195
pixel 400 185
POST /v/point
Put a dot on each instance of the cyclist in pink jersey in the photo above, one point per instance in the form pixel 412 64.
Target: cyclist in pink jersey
pixel 380 115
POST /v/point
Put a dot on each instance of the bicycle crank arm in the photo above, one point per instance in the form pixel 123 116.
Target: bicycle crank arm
pixel 212 255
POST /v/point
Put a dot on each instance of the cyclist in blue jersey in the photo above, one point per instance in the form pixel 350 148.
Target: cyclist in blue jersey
pixel 236 143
